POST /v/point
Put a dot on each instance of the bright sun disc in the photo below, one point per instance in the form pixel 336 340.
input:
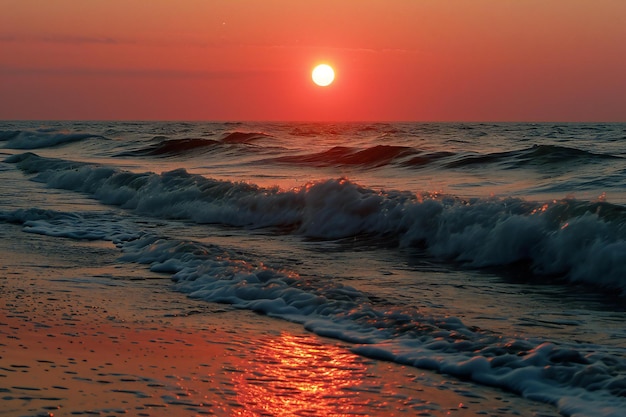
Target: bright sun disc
pixel 323 75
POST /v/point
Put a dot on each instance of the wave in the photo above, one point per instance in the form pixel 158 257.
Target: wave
pixel 374 157
pixel 536 155
pixel 172 147
pixel 406 156
pixel 427 158
pixel 42 138
pixel 579 241
pixel 335 129
pixel 243 137
pixel 575 377
pixel 164 147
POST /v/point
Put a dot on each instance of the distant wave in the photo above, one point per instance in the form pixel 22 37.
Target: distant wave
pixel 38 139
pixel 243 137
pixel 169 147
pixel 330 129
pixel 162 146
pixel 375 156
pixel 580 241
pixel 426 158
pixel 536 155
pixel 405 156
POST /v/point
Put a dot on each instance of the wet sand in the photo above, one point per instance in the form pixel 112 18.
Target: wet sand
pixel 109 339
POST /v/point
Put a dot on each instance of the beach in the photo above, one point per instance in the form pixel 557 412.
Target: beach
pixel 312 269
pixel 78 340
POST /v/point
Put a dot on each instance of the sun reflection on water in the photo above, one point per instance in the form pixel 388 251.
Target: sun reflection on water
pixel 296 375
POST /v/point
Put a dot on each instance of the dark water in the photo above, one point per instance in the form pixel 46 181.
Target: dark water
pixel 494 253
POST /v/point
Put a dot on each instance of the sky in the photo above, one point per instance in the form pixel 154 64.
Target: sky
pixel 395 60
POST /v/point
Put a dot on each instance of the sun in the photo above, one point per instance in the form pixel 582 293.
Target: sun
pixel 323 75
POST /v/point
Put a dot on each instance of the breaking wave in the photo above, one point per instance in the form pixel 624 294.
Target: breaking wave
pixel 579 241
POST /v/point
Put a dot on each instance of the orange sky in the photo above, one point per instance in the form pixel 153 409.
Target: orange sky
pixel 415 60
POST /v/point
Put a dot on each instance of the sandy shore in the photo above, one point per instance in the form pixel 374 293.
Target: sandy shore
pixel 115 340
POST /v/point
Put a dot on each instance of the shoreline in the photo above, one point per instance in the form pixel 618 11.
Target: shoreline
pixel 113 340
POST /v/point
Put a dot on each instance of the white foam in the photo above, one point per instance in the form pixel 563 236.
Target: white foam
pixel 562 375
pixel 539 370
pixel 581 245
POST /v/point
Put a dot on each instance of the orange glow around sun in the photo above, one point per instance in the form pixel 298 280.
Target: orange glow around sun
pixel 323 75
pixel 224 58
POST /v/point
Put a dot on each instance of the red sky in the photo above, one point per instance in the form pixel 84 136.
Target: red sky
pixel 412 60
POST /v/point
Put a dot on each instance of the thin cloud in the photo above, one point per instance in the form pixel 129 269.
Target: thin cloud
pixel 132 73
pixel 346 48
pixel 65 39
pixel 197 42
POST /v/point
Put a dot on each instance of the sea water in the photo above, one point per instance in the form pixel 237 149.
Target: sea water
pixel 495 253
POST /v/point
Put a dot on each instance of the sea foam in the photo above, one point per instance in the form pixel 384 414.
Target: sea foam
pixel 580 241
pixel 574 377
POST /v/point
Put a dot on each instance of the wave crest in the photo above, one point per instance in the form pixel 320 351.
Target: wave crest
pixel 173 147
pixel 536 155
pixel 581 241
pixel 373 157
pixel 165 147
pixel 243 137
pixel 38 139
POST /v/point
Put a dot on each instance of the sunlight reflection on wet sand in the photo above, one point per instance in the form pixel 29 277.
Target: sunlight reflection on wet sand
pixel 297 375
pixel 98 340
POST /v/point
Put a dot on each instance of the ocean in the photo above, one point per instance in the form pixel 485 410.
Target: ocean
pixel 492 253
